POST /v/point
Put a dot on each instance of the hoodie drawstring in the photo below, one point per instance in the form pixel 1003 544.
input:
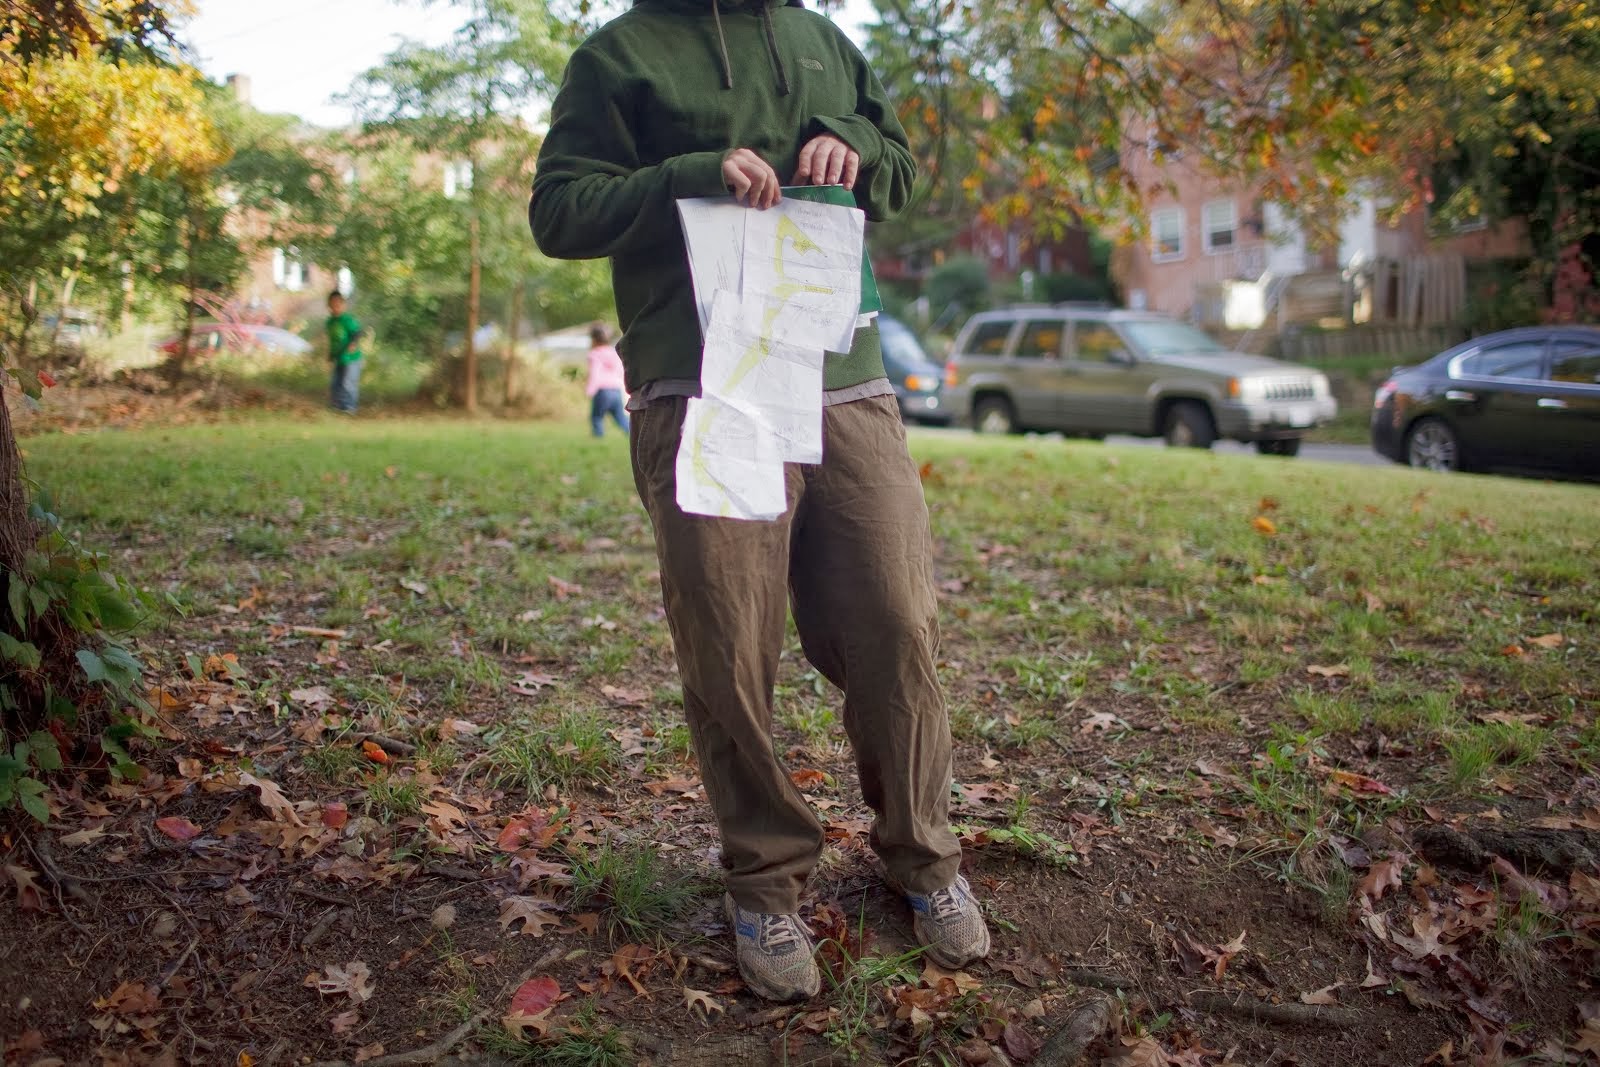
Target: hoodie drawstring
pixel 722 44
pixel 772 46
pixel 772 50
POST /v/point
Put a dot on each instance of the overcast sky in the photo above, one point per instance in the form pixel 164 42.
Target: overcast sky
pixel 299 54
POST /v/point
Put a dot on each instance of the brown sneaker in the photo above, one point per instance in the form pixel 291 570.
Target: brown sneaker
pixel 950 923
pixel 774 953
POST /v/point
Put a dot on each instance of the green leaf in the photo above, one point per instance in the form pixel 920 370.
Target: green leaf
pixel 93 666
pixel 18 597
pixel 24 654
pixel 123 666
pixel 116 614
pixel 46 751
pixel 40 600
pixel 30 794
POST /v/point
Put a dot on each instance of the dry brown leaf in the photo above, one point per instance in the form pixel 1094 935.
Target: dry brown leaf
pixel 369 1052
pixel 1381 877
pixel 1136 1052
pixel 533 912
pixel 84 837
pixel 272 798
pixel 1264 526
pixel 1548 640
pixel 1337 670
pixel 353 980
pixel 695 999
pixel 1321 996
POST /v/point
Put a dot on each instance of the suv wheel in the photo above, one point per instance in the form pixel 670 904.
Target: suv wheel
pixel 993 414
pixel 1289 446
pixel 1189 425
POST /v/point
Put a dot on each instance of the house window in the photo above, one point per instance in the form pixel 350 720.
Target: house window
pixel 1220 225
pixel 457 177
pixel 288 272
pixel 1166 235
pixel 347 281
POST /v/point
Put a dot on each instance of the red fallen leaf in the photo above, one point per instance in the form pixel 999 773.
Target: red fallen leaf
pixel 177 828
pixel 531 829
pixel 335 814
pixel 534 996
pixel 807 778
pixel 47 380
pixel 374 752
pixel 1358 783
pixel 1020 1045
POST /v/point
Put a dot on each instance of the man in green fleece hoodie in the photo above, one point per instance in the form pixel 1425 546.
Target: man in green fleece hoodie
pixel 689 98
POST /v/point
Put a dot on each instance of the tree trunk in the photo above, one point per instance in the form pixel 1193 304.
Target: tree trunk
pixel 191 281
pixel 17 532
pixel 511 341
pixel 469 359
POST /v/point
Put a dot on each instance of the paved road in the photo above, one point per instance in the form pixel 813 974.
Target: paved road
pixel 1359 455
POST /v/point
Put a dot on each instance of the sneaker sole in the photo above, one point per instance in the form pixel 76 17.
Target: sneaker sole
pixel 759 987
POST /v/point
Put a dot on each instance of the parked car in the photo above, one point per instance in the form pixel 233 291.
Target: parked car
pixel 1093 371
pixel 214 338
pixel 918 381
pixel 1526 398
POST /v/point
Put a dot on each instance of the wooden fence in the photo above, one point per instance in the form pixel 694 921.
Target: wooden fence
pixel 1401 342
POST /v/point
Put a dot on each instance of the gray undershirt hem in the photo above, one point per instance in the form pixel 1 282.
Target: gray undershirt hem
pixel 662 388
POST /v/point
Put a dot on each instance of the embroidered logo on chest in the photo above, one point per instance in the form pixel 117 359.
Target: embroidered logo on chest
pixel 811 64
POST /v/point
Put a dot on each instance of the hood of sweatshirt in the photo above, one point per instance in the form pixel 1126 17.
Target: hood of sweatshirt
pixel 763 7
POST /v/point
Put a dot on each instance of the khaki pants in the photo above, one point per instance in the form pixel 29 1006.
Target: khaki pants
pixel 853 558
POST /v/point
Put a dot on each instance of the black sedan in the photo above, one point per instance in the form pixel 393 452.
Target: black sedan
pixel 1526 399
pixel 918 381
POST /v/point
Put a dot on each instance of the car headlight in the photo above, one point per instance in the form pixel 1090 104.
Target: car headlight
pixel 1247 388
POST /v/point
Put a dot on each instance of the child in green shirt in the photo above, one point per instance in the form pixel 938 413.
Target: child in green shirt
pixel 344 335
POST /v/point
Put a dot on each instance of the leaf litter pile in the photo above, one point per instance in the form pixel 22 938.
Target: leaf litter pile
pixel 1256 763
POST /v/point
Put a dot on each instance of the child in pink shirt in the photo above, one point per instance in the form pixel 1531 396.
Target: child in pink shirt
pixel 605 381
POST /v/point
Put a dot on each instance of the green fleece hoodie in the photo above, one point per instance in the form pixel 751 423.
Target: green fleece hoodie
pixel 650 105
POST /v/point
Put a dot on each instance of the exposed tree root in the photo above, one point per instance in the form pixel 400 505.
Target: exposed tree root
pixel 1529 849
pixel 1085 1025
pixel 1261 1011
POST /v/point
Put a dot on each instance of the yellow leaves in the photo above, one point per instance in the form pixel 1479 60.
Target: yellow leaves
pixel 1264 526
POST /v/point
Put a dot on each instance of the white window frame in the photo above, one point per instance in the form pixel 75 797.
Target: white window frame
pixel 1208 227
pixel 457 177
pixel 288 271
pixel 1156 255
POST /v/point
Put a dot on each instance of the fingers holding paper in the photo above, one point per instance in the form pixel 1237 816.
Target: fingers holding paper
pixel 826 160
pixel 751 179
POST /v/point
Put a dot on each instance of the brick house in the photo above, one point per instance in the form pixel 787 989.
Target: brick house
pixel 1218 253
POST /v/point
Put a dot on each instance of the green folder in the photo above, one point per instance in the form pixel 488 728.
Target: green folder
pixel 871 301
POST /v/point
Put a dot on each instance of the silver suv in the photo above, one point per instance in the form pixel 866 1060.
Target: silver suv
pixel 1089 372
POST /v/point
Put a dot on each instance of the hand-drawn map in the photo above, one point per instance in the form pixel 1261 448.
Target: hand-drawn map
pixel 776 290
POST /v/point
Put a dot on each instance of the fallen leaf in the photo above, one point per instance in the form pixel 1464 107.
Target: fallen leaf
pixel 1374 979
pixel 374 752
pixel 1100 721
pixel 1513 651
pixel 1375 603
pixel 624 696
pixel 84 837
pixel 419 588
pixel 532 829
pixel 535 996
pixel 563 589
pixel 1020 1044
pixel 1321 996
pixel 444 817
pixel 1137 1052
pixel 1223 838
pixel 533 912
pixel 1264 526
pixel 444 917
pixel 528 683
pixel 1338 670
pixel 131 998
pixel 1381 877
pixel 345 1021
pixel 369 1052
pixel 1548 640
pixel 694 999
pixel 353 980
pixel 315 697
pixel 335 815
pixel 177 828
pixel 1427 941
pixel 808 778
pixel 323 632
pixel 1358 783
pixel 272 798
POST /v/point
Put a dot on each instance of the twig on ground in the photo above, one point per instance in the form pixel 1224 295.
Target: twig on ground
pixel 1088 1023
pixel 317 894
pixel 770 1015
pixel 320 930
pixel 174 967
pixel 391 745
pixel 64 882
pixel 1248 1007
pixel 426 1054
pixel 457 874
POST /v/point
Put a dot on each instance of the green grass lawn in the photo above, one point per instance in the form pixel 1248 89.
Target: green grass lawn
pixel 1111 616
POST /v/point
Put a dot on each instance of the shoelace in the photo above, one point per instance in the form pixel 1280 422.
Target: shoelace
pixel 945 904
pixel 778 931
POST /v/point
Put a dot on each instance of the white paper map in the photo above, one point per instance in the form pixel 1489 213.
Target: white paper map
pixel 776 290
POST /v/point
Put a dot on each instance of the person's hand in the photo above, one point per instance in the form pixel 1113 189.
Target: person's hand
pixel 750 178
pixel 826 160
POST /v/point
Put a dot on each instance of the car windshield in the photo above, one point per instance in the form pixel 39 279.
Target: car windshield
pixel 900 344
pixel 1155 338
